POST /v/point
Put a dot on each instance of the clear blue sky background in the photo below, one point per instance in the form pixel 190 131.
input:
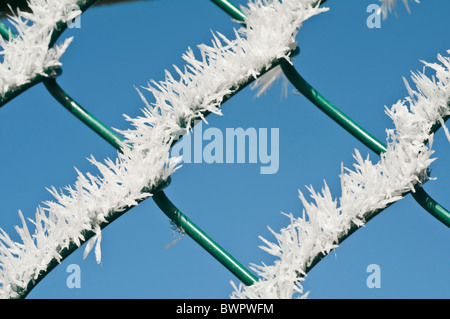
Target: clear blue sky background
pixel 357 68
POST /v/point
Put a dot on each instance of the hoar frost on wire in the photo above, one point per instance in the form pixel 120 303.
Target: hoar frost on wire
pixel 368 188
pixel 28 54
pixel 270 34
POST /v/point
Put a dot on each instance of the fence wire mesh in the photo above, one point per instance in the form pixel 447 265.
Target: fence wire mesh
pixel 49 80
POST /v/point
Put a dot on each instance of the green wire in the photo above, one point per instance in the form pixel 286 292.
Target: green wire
pixel 204 240
pixel 329 109
pixel 428 203
pixel 234 12
pixel 230 9
pixel 433 207
pixel 4 31
pixel 78 111
pixel 425 200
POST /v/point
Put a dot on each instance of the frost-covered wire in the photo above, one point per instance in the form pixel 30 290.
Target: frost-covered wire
pixel 366 190
pixel 272 26
pixel 28 54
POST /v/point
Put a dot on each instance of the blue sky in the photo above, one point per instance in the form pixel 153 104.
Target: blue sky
pixel 359 69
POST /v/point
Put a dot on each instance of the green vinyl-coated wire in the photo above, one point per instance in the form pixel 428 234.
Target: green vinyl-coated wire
pixel 425 200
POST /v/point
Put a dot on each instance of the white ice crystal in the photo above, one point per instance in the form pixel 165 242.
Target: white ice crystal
pixel 367 189
pixel 270 35
pixel 389 5
pixel 28 54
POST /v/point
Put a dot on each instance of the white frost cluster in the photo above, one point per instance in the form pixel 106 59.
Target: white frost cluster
pixel 368 188
pixel 389 5
pixel 28 54
pixel 270 34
